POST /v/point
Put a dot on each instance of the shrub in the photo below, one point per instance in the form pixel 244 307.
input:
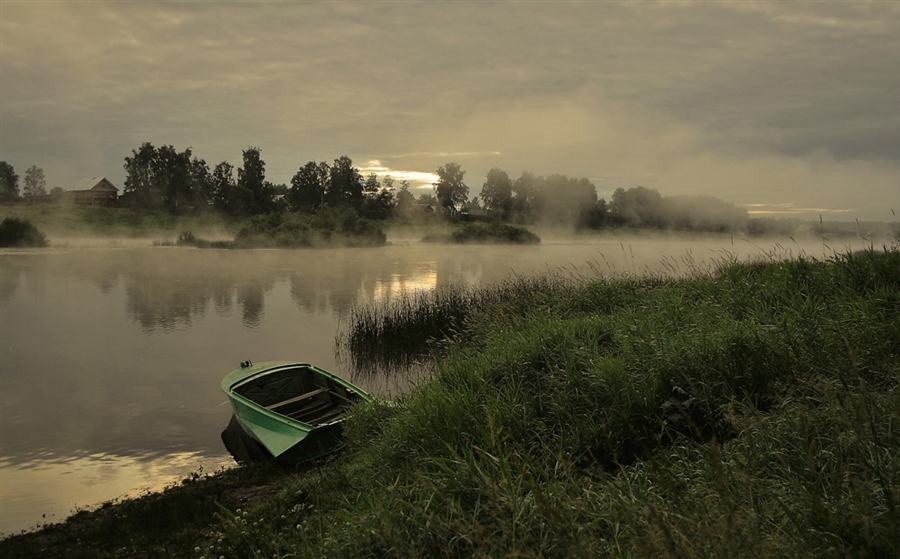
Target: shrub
pixel 15 232
pixel 489 233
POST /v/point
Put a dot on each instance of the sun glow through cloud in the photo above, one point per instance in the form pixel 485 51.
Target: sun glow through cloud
pixel 417 179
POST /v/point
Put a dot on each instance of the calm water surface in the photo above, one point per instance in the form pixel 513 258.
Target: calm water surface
pixel 110 359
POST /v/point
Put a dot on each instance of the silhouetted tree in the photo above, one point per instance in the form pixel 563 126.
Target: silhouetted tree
pixel 450 190
pixel 637 207
pixel 561 199
pixel 163 177
pixel 378 200
pixel 140 183
pixel 595 217
pixel 405 201
pixel 496 193
pixel 228 196
pixel 9 182
pixel 308 187
pixel 645 207
pixel 252 177
pixel 523 190
pixel 346 185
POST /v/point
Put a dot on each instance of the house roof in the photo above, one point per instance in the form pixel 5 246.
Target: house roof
pixel 95 183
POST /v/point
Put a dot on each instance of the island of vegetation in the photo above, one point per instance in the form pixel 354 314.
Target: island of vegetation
pixel 749 410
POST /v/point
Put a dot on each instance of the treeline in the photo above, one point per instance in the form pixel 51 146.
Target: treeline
pixel 560 199
pixel 35 185
pixel 165 178
pixel 177 181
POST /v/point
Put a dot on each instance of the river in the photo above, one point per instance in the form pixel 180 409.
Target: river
pixel 111 355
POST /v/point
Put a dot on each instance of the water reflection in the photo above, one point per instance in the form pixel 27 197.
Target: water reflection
pixel 84 482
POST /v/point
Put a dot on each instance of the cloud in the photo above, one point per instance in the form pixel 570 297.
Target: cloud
pixel 622 93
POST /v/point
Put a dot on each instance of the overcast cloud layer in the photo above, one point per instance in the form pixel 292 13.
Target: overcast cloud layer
pixel 779 107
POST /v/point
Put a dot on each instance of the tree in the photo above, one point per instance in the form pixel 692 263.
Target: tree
pixel 35 184
pixel 404 201
pixel 308 186
pixel 496 193
pixel 595 217
pixel 523 194
pixel 561 199
pixel 450 190
pixel 252 177
pixel 227 196
pixel 371 186
pixel 163 177
pixel 9 182
pixel 638 207
pixel 379 197
pixel 346 186
pixel 140 183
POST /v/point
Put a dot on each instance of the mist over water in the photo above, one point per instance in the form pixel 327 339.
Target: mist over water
pixel 111 356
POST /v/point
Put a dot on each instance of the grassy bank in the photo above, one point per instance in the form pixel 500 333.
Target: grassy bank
pixel 64 221
pixel 748 411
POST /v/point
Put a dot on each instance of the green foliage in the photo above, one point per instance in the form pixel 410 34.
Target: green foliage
pixel 496 193
pixel 15 232
pixel 450 189
pixel 328 227
pixel 164 178
pixel 35 183
pixel 255 193
pixel 484 233
pixel 493 232
pixel 647 208
pixel 9 183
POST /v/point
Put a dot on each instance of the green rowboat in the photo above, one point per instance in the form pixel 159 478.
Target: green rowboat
pixel 285 410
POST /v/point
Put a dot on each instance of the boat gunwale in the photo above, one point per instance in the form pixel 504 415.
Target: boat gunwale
pixel 229 384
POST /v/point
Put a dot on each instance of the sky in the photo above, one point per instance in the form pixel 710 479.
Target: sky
pixel 784 108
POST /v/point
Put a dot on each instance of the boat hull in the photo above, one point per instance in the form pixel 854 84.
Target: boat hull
pixel 285 410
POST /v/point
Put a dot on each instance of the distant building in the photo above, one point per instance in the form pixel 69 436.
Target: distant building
pixel 95 191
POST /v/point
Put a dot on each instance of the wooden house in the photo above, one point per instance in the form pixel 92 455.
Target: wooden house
pixel 94 191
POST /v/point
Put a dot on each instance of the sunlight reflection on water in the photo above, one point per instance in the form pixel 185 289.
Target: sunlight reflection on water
pixel 46 492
